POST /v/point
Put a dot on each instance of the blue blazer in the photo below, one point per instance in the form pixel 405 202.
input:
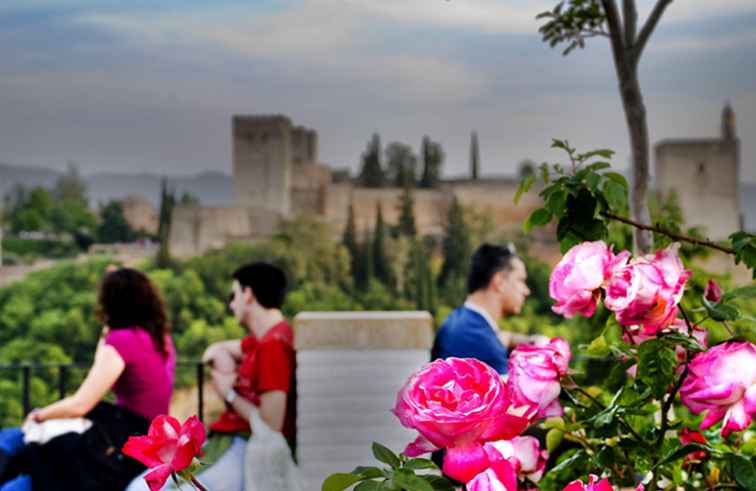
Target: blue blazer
pixel 467 334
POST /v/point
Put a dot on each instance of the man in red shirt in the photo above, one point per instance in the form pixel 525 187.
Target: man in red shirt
pixel 253 373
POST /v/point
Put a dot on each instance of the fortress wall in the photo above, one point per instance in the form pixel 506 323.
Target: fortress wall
pixel 704 175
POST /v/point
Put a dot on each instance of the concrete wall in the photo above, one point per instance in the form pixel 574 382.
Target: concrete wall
pixel 350 365
pixel 262 155
pixel 704 175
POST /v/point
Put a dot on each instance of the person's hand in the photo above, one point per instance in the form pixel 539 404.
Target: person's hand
pixel 209 354
pixel 33 417
pixel 222 381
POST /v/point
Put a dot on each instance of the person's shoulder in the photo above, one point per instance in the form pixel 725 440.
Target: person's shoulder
pixel 122 335
pixel 464 318
pixel 281 333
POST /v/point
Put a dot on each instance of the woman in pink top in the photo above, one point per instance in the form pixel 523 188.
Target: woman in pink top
pixel 135 358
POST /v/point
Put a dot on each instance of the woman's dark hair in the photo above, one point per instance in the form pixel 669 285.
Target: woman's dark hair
pixel 127 298
pixel 267 282
pixel 488 260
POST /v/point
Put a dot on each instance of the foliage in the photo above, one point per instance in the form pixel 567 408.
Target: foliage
pixel 433 158
pixel 456 251
pixel 406 206
pixel 114 228
pixel 401 165
pixel 371 172
pixel 381 265
pixel 167 203
pixel 474 156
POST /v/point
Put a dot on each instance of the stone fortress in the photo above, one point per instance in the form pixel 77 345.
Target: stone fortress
pixel 277 173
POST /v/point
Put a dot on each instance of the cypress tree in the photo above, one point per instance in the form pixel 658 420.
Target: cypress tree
pixel 349 239
pixel 372 174
pixel 167 203
pixel 365 275
pixel 474 156
pixel 433 156
pixel 406 224
pixel 381 266
pixel 456 244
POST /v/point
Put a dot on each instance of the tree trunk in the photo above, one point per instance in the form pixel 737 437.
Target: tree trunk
pixel 635 113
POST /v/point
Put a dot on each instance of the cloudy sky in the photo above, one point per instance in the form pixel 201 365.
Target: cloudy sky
pixel 128 86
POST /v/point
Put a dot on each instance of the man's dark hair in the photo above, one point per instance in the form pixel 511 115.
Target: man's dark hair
pixel 268 283
pixel 488 260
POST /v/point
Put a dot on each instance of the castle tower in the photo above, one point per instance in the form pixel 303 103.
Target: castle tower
pixel 704 175
pixel 262 161
pixel 728 123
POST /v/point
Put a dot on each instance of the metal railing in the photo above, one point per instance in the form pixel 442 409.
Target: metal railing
pixel 64 370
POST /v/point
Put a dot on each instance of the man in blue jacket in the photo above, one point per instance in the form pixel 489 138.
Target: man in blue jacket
pixel 496 287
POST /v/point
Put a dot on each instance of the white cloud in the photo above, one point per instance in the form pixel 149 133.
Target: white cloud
pixel 326 40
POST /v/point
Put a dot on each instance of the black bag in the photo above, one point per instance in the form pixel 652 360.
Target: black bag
pixel 91 460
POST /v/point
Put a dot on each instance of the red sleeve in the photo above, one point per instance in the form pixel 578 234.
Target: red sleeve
pixel 276 365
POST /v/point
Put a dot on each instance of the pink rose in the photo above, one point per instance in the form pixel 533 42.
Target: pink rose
pixel 723 381
pixel 500 476
pixel 646 291
pixel 576 281
pixel 458 404
pixel 594 485
pixel 712 293
pixel 534 373
pixel 523 452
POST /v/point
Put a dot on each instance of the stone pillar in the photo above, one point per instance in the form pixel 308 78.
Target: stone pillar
pixel 350 366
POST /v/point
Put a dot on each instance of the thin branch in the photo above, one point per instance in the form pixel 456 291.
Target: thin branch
pixel 630 14
pixel 649 26
pixel 669 233
pixel 615 33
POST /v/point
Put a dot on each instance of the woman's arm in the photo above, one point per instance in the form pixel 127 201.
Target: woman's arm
pixel 107 367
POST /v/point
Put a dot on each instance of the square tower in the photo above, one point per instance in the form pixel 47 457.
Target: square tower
pixel 262 161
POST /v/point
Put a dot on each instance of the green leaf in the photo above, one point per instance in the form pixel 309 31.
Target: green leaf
pixel 439 483
pixel 742 292
pixel 721 311
pixel 410 482
pixel 618 178
pixel 745 471
pixel 340 481
pixel 557 202
pixel 524 187
pixel 592 181
pixel 418 464
pixel 554 438
pixel 598 347
pixel 681 452
pixel 539 217
pixel 545 173
pixel 615 194
pixel 368 472
pixel 368 486
pixel 573 459
pixel 385 455
pixel 656 367
pixel 598 165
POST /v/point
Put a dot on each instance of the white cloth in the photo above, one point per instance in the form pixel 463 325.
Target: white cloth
pixel 268 464
pixel 47 430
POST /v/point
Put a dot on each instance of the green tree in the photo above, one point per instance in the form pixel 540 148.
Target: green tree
pixel 70 187
pixel 30 210
pixel 349 240
pixel 456 252
pixel 365 272
pixel 381 265
pixel 527 168
pixel 406 225
pixel 433 158
pixel 167 203
pixel 113 226
pixel 401 164
pixel 371 172
pixel 474 156
pixel 572 22
pixel 188 199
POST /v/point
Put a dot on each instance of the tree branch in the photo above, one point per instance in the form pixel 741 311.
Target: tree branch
pixel 668 233
pixel 630 14
pixel 615 33
pixel 649 26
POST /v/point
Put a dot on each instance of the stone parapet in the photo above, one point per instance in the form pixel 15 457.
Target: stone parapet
pixel 363 330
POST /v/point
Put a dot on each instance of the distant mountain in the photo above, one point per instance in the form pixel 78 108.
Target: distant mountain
pixel 211 188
